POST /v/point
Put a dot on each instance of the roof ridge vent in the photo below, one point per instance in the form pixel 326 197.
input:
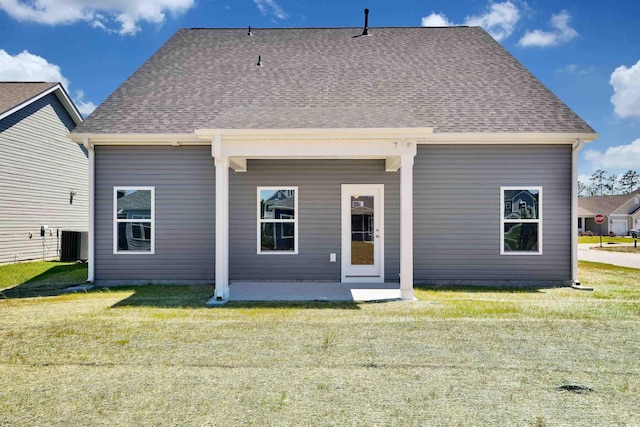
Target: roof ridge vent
pixel 365 31
pixel 249 33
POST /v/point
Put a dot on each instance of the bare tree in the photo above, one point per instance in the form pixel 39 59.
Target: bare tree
pixel 629 181
pixel 582 189
pixel 598 181
pixel 611 184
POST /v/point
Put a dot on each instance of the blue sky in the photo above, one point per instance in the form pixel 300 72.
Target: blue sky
pixel 587 52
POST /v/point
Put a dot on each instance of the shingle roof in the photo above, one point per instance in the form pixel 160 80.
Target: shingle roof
pixel 13 94
pixel 605 204
pixel 456 79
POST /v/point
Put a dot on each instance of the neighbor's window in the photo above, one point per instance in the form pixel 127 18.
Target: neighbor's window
pixel 521 220
pixel 133 220
pixel 277 220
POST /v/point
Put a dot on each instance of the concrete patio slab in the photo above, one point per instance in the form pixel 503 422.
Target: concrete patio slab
pixel 313 291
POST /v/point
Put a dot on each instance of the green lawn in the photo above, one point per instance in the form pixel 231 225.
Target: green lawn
pixel 153 355
pixel 40 278
pixel 605 239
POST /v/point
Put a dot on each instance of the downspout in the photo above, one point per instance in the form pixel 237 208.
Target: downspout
pixel 91 229
pixel 574 211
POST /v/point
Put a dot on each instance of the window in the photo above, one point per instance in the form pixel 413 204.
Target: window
pixel 277 220
pixel 521 220
pixel 134 212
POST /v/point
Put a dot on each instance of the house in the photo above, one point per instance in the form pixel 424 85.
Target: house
pixel 43 175
pixel 621 214
pixel 390 157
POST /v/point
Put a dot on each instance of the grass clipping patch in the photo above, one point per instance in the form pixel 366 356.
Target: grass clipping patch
pixel 575 388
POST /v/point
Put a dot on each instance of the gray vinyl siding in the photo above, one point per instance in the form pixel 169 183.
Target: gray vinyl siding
pixel 39 167
pixel 184 181
pixel 319 218
pixel 457 213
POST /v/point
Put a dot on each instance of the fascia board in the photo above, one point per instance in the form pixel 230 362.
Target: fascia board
pixel 347 135
pixel 71 108
pixel 508 138
pixel 62 96
pixel 138 139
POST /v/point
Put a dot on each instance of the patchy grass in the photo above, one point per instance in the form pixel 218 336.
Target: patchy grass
pixel 40 278
pixel 153 355
pixel 605 239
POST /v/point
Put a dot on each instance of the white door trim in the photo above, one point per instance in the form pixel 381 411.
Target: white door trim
pixel 376 272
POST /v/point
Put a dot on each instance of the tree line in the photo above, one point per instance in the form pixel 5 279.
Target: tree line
pixel 602 184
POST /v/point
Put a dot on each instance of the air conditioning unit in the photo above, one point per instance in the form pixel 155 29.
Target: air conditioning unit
pixel 74 246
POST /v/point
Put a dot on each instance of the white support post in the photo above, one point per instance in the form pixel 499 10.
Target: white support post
pixel 91 265
pixel 222 220
pixel 406 223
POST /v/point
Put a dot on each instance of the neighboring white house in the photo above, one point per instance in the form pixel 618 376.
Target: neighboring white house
pixel 43 175
pixel 621 212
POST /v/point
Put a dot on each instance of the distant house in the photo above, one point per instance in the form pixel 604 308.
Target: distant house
pixel 43 175
pixel 418 155
pixel 621 212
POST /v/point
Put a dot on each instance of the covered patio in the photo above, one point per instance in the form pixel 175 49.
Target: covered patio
pixel 310 291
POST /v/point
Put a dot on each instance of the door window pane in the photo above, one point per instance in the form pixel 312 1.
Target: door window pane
pixel 362 230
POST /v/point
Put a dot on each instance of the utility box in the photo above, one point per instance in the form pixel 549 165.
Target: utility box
pixel 74 246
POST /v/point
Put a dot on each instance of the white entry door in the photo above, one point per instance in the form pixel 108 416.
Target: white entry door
pixel 362 233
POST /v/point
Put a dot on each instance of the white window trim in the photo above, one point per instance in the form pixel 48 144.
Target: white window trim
pixel 293 221
pixel 538 221
pixel 117 220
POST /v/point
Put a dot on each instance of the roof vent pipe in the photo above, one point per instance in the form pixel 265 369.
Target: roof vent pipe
pixel 249 33
pixel 365 32
pixel 259 64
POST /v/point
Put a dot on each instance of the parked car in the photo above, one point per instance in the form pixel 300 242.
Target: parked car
pixel 634 233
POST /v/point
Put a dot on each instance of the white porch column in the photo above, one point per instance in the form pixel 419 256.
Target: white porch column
pixel 406 222
pixel 222 220
pixel 91 264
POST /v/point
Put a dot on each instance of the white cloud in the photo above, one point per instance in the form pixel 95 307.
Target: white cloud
pixel 562 33
pixel 27 67
pixel 499 20
pixel 574 69
pixel 270 7
pixel 127 14
pixel 584 178
pixel 85 107
pixel 626 91
pixel 436 20
pixel 618 157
